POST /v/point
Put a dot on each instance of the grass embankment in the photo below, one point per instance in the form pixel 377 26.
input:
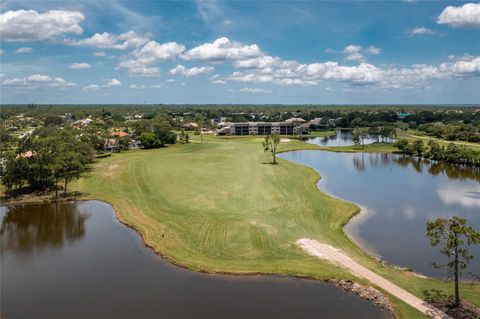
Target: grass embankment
pixel 375 147
pixel 217 207
pixel 323 133
pixel 418 135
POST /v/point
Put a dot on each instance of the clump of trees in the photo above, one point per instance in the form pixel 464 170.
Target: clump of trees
pixel 385 131
pixel 452 153
pixel 270 144
pixel 454 237
pixel 154 133
pixel 453 132
pixel 358 136
pixel 41 162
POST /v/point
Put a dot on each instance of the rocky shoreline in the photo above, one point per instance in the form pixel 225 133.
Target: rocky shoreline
pixel 368 293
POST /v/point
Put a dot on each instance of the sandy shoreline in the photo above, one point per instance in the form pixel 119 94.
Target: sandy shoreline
pixel 351 228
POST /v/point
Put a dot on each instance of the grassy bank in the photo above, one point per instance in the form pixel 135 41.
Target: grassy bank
pixel 217 207
pixel 418 135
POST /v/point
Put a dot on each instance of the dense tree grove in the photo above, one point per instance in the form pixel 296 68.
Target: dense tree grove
pixel 40 162
pixel 452 153
pixel 453 132
pixel 154 133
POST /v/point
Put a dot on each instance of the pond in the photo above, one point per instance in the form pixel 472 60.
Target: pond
pixel 399 195
pixel 345 138
pixel 75 260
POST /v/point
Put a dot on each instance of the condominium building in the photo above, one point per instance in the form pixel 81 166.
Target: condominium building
pixel 258 128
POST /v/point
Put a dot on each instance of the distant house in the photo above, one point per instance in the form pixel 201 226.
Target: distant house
pixel 402 115
pixel 303 129
pixel 112 145
pixel 318 123
pixel 134 144
pixel 82 123
pixel 223 131
pixel 295 120
pixel 120 134
pixel 27 154
pixel 191 126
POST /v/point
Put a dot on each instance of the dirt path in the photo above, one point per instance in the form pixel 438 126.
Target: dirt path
pixel 471 144
pixel 335 256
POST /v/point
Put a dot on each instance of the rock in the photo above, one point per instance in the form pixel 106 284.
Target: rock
pixel 367 293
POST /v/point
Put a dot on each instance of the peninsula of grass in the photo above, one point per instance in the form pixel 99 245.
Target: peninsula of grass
pixel 219 207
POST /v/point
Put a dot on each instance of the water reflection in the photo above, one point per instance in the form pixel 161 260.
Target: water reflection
pixel 400 193
pixel 24 229
pixel 91 266
pixel 361 161
pixel 345 138
pixel 461 195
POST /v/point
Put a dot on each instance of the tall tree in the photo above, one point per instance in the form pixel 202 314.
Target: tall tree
pixel 270 144
pixel 358 136
pixel 454 237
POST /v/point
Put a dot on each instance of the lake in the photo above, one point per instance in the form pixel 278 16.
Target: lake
pixel 400 194
pixel 345 138
pixel 75 260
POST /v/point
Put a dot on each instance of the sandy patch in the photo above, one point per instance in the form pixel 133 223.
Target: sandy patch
pixel 337 257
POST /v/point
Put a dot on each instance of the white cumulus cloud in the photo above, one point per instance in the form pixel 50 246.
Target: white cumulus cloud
pixel 222 49
pixel 29 25
pixel 463 67
pixel 106 40
pixel 215 79
pixel 259 62
pixel 182 70
pixel 151 53
pixel 357 53
pixel 353 53
pixel 420 31
pixel 24 50
pixel 91 87
pixel 255 90
pixel 113 82
pixel 79 66
pixel 137 87
pixel 35 81
pixel 466 16
pixel 373 50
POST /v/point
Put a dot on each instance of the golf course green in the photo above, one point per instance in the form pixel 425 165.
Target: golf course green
pixel 219 207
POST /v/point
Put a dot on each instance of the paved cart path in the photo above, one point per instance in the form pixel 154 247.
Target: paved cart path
pixel 336 256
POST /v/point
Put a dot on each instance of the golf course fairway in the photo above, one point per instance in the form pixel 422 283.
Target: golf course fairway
pixel 219 207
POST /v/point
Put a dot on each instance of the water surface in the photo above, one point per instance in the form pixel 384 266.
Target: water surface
pixel 75 260
pixel 401 194
pixel 345 138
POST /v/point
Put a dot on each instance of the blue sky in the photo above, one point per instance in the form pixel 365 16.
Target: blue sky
pixel 318 52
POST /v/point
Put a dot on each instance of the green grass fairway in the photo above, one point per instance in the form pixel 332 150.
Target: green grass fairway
pixel 218 207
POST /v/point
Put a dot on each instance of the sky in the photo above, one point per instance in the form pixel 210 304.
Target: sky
pixel 240 52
